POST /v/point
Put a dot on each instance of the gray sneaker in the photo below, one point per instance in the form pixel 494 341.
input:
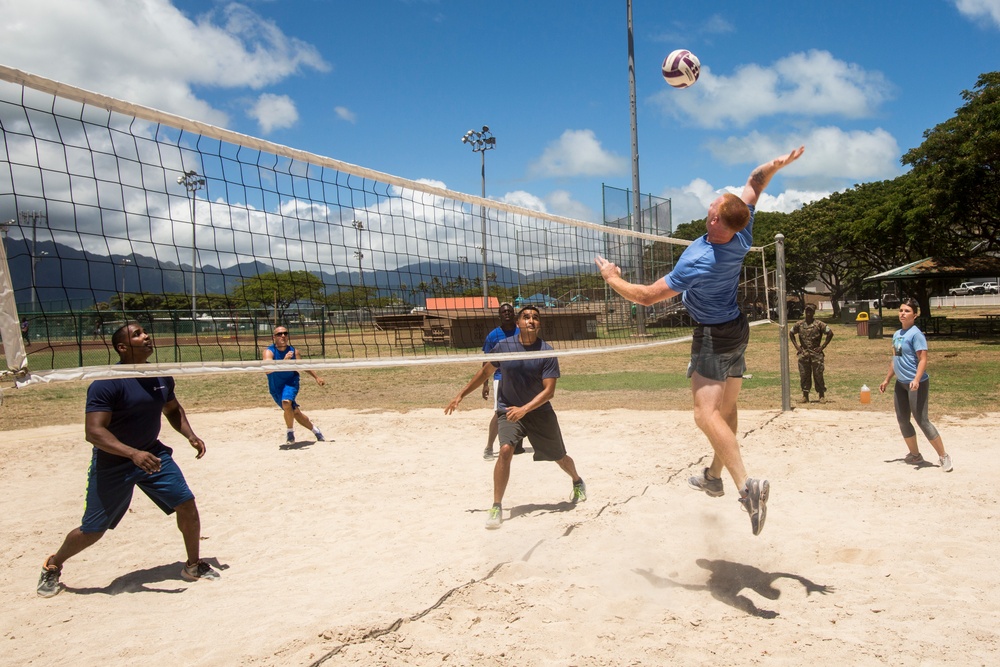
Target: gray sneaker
pixel 579 492
pixel 494 518
pixel 48 583
pixel 488 454
pixel 200 571
pixel 755 503
pixel 702 482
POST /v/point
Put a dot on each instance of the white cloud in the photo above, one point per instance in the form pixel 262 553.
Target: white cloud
pixel 273 112
pixel 343 113
pixel 149 52
pixel 802 84
pixel 831 153
pixel 577 153
pixel 986 11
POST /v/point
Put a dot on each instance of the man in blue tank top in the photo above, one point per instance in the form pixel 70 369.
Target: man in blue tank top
pixel 707 276
pixel 284 385
pixel 123 425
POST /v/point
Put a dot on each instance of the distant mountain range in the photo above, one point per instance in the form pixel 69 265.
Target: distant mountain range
pixel 71 279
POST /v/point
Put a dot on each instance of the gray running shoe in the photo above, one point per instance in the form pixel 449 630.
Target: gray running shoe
pixel 488 454
pixel 200 571
pixel 48 583
pixel 755 503
pixel 579 492
pixel 702 482
pixel 494 518
pixel 945 462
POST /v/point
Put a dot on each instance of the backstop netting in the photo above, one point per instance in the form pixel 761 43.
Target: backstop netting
pixel 117 212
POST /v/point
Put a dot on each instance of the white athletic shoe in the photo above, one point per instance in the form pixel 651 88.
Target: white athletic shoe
pixel 945 462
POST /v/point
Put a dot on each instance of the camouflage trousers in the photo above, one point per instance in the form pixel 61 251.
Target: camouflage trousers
pixel 811 367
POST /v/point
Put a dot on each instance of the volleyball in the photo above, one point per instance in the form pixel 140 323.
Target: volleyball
pixel 681 68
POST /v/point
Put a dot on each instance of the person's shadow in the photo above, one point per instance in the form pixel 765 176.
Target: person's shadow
pixel 728 579
pixel 142 581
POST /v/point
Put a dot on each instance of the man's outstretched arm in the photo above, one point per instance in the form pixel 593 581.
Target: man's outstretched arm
pixel 761 176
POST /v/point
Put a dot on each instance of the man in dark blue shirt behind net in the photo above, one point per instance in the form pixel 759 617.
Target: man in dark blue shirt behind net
pixel 123 424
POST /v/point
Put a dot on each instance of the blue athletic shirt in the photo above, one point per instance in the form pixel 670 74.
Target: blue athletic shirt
pixel 707 275
pixel 280 379
pixel 521 379
pixel 136 405
pixel 905 345
pixel 494 337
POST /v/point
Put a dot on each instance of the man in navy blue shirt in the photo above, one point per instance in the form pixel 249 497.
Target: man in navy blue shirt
pixel 524 410
pixel 707 276
pixel 123 425
pixel 507 328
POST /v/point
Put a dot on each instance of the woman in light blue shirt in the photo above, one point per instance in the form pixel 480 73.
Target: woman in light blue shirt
pixel 909 365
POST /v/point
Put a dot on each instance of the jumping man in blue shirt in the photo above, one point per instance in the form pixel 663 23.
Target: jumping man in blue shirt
pixel 707 276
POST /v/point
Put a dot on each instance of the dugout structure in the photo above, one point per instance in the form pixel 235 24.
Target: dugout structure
pixel 207 237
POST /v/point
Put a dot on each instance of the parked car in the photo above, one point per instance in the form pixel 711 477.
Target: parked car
pixel 888 301
pixel 990 288
pixel 965 289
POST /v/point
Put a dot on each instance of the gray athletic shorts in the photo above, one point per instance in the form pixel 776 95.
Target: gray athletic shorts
pixel 718 350
pixel 542 430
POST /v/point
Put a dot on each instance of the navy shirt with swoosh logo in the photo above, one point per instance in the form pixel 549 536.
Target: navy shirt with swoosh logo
pixel 136 405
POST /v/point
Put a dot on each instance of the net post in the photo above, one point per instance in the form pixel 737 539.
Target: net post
pixel 779 254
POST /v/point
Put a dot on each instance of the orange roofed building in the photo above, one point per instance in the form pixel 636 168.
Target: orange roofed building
pixel 460 303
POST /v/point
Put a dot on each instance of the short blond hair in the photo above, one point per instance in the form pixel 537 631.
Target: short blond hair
pixel 733 212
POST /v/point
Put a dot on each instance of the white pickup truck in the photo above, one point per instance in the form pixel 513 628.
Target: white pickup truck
pixel 966 289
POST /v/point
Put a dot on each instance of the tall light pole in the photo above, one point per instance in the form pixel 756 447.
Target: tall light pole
pixel 33 217
pixel 125 262
pixel 358 255
pixel 482 142
pixel 640 319
pixel 193 182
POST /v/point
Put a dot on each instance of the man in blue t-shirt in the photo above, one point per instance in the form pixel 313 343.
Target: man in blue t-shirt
pixel 507 328
pixel 523 408
pixel 123 425
pixel 707 276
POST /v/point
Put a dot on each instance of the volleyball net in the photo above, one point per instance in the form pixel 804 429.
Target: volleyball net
pixel 208 238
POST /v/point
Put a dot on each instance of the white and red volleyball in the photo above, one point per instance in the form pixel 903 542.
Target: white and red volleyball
pixel 681 68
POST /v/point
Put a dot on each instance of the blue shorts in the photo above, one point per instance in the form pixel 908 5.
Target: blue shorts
pixel 109 490
pixel 286 392
pixel 718 351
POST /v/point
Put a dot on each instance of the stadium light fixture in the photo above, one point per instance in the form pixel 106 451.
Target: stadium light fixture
pixel 192 182
pixel 482 142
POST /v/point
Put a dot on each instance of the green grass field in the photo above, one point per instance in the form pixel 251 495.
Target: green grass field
pixel 965 379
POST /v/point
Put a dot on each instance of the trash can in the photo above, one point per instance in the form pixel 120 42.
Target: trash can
pixel 862 320
pixel 875 327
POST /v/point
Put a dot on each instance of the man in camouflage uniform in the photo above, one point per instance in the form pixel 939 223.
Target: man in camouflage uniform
pixel 809 348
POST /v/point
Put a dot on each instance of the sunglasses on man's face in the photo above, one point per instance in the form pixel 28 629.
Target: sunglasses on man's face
pixel 280 333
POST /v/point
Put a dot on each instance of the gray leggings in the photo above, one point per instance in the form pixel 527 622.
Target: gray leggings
pixel 913 403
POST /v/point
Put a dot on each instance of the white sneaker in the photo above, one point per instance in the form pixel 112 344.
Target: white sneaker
pixel 494 519
pixel 945 462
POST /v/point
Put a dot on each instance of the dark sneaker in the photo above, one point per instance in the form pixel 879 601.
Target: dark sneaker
pixel 579 492
pixel 494 518
pixel 755 503
pixel 702 482
pixel 200 571
pixel 290 438
pixel 488 454
pixel 913 459
pixel 319 436
pixel 48 583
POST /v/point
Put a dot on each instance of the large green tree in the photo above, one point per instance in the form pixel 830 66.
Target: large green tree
pixel 279 290
pixel 959 164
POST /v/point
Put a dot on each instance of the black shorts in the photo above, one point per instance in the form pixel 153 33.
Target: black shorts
pixel 718 350
pixel 541 427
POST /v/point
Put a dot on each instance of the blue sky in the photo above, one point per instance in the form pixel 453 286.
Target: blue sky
pixel 393 84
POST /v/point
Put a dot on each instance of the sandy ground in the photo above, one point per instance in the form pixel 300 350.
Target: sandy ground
pixel 371 549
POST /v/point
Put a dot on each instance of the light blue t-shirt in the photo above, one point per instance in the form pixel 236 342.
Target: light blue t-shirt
pixel 905 345
pixel 708 274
